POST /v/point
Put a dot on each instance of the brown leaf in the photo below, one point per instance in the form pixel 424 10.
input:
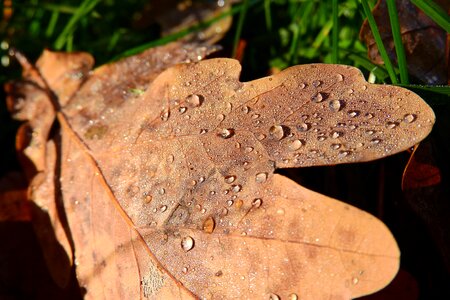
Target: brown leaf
pixel 423 40
pixel 172 193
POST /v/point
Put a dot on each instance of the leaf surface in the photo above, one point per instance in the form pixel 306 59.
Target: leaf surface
pixel 171 192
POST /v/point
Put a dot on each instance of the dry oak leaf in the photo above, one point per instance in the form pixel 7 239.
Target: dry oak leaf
pixel 172 193
pixel 424 41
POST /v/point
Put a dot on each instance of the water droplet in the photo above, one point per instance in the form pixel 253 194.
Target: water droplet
pixel 353 113
pixel 184 270
pixel 209 224
pixel 165 114
pixel 335 146
pixel 236 188
pixel 364 87
pixel 316 83
pixel 355 280
pixel 261 136
pixel 182 109
pixel 359 145
pixel 277 132
pixel 321 137
pixel 257 202
pixel 343 154
pixel 255 116
pixel 368 115
pixel 336 134
pixel 302 86
pixel 248 149
pixel 409 118
pixel 261 177
pixel 295 145
pixel 303 127
pixel 162 191
pixel 391 125
pixel 370 132
pixel 163 208
pixel 226 133
pixel 230 178
pixel 317 98
pixel 245 109
pixel 340 77
pixel 219 273
pixel 375 141
pixel 335 105
pixel 274 297
pixel 170 158
pixel 223 212
pixel 194 100
pixel 220 117
pixel 239 203
pixel 148 199
pixel 194 182
pixel 230 202
pixel 352 127
pixel 293 296
pixel 187 243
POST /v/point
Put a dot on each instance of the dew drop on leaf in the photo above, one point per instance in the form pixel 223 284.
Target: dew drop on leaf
pixel 375 141
pixel 261 177
pixel 277 132
pixel 335 146
pixel 236 188
pixel 208 225
pixel 391 125
pixel 182 109
pixel 257 202
pixel 409 118
pixel 226 133
pixel 317 98
pixel 187 243
pixel 336 134
pixel 248 149
pixel 368 115
pixel 194 100
pixel 245 109
pixel 295 145
pixel 165 114
pixel 353 113
pixel 316 83
pixel 303 127
pixel 335 105
pixel 163 208
pixel 148 198
pixel 274 297
pixel 343 154
pixel 230 178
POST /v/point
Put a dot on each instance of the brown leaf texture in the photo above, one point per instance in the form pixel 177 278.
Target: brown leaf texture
pixel 424 41
pixel 171 192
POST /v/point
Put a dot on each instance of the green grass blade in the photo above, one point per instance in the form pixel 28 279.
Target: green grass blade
pixel 396 34
pixel 52 24
pixel 444 89
pixel 70 27
pixel 334 33
pixel 435 12
pixel 379 41
pixel 268 15
pixel 240 24
pixel 379 71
